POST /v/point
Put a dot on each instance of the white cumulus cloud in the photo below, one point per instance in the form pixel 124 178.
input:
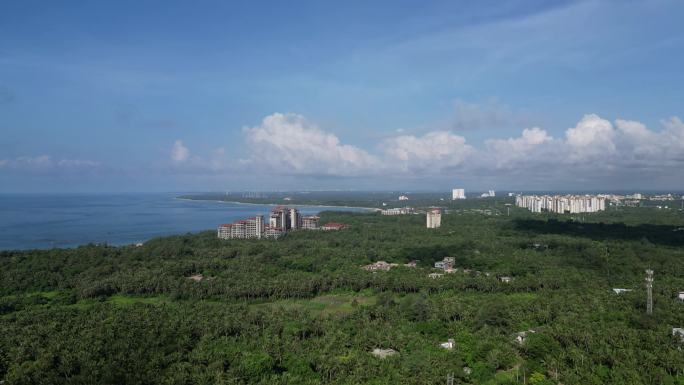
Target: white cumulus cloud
pixel 593 152
pixel 432 151
pixel 591 138
pixel 179 153
pixel 290 143
pixel 509 152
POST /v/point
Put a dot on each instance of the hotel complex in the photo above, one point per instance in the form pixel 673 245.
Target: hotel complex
pixel 281 220
pixel 562 204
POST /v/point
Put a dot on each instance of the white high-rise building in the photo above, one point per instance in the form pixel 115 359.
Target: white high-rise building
pixel 458 193
pixel 434 218
pixel 295 219
pixel 284 218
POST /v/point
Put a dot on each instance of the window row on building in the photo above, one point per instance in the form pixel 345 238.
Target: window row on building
pixel 562 203
pixel 398 211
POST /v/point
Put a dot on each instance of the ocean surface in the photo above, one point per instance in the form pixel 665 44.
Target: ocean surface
pixel 41 221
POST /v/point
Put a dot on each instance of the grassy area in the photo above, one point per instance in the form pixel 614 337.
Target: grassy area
pixel 49 294
pixel 326 304
pixel 120 299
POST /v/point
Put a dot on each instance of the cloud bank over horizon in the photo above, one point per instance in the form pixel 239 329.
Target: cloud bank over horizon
pixel 594 151
pixel 47 164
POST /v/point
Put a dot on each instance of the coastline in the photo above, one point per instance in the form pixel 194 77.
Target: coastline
pixel 278 204
pixel 74 220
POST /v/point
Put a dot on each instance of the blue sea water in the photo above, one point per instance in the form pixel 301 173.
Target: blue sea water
pixel 40 221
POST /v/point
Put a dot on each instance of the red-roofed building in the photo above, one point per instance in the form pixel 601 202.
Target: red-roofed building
pixel 333 226
pixel 310 222
pixel 224 231
pixel 246 228
pixel 273 232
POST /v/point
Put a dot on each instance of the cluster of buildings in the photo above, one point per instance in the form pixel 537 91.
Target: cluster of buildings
pixel 662 197
pixel 562 203
pixel 446 264
pixel 281 220
pixel 488 194
pixel 398 211
pixel 636 199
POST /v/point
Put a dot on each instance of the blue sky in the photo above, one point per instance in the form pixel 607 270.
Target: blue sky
pixel 214 95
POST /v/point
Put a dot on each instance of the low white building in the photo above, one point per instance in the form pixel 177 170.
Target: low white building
pixel 620 291
pixel 403 198
pixel 680 296
pixel 379 265
pixel 446 263
pixel 384 353
pixel 678 332
pixel 521 337
pixel 449 345
pixel 398 211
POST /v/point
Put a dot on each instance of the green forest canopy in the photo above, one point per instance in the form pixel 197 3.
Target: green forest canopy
pixel 300 310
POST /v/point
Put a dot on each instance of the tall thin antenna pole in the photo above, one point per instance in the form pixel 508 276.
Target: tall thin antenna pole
pixel 649 292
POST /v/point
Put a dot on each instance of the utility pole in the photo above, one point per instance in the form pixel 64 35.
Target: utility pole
pixel 649 292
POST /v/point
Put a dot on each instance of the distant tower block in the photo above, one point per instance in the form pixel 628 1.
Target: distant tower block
pixel 458 193
pixel 434 218
pixel 649 292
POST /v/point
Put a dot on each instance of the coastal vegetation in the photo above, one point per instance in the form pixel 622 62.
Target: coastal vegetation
pixel 193 309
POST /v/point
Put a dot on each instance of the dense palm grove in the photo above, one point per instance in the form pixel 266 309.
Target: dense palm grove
pixel 300 310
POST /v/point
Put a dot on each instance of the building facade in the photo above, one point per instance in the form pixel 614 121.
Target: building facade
pixel 332 226
pixel 248 228
pixel 562 204
pixel 310 222
pixel 434 218
pixel 284 218
pixel 458 193
pixel 397 211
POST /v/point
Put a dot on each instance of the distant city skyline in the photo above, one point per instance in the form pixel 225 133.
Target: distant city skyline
pixel 168 96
